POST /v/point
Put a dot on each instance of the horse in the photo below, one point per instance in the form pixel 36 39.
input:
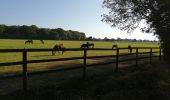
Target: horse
pixel 29 41
pixel 87 45
pixel 42 41
pixel 114 46
pixel 130 48
pixel 58 47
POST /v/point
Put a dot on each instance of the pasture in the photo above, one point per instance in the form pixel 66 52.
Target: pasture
pixel 20 44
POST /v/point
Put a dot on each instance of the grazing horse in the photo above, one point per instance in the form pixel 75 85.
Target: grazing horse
pixel 29 41
pixel 130 48
pixel 87 45
pixel 114 46
pixel 58 47
pixel 42 41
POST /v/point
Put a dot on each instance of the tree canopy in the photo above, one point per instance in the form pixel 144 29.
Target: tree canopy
pixel 33 32
pixel 127 14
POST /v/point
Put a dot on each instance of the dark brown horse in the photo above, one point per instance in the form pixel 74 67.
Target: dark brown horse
pixel 58 47
pixel 130 48
pixel 29 42
pixel 114 46
pixel 87 45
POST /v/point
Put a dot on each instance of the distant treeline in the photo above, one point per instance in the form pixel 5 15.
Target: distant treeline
pixel 90 38
pixel 33 32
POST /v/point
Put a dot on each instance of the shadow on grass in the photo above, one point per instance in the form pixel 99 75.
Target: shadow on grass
pixel 130 83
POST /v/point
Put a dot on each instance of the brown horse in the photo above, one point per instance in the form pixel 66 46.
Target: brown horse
pixel 87 45
pixel 114 46
pixel 58 47
pixel 130 48
pixel 29 42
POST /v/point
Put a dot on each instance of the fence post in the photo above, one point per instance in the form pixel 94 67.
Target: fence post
pixel 117 59
pixel 150 55
pixel 24 58
pixel 136 56
pixel 160 52
pixel 85 63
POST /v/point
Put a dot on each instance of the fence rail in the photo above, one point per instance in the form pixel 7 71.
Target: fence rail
pixel 117 60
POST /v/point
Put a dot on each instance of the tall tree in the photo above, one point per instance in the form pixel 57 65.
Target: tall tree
pixel 127 14
pixel 2 28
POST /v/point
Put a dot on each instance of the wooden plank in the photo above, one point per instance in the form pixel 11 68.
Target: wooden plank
pixel 52 60
pixel 91 57
pixel 68 49
pixel 150 55
pixel 24 57
pixel 84 63
pixel 136 56
pixel 160 54
pixel 117 60
pixel 11 63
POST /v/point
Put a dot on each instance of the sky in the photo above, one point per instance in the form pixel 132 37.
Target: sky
pixel 77 15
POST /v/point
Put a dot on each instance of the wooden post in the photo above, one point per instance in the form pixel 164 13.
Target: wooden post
pixel 150 55
pixel 160 52
pixel 117 60
pixel 24 58
pixel 85 63
pixel 136 56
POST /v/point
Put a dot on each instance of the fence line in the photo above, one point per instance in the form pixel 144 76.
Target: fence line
pixel 24 61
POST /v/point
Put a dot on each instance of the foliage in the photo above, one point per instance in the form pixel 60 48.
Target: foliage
pixel 127 14
pixel 33 32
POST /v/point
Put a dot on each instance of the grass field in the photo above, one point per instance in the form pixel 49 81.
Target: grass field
pixel 20 44
pixel 47 79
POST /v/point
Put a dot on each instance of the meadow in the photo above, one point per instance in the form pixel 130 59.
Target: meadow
pixel 20 44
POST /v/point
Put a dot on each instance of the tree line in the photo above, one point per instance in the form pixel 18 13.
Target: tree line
pixel 90 38
pixel 33 32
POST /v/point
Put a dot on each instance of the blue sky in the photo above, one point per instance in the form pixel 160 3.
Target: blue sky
pixel 79 15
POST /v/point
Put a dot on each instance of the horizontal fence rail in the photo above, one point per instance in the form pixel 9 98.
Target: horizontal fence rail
pixel 84 57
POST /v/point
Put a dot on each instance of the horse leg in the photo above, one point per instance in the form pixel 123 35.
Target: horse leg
pixel 58 51
pixel 63 52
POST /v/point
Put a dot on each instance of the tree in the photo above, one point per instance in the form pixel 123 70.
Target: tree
pixel 33 32
pixel 2 28
pixel 127 14
pixel 43 33
pixel 106 39
pixel 90 38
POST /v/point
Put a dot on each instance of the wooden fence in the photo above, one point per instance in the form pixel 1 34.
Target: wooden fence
pixel 25 62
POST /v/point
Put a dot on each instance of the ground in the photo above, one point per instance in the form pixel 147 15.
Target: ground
pixel 20 44
pixel 145 82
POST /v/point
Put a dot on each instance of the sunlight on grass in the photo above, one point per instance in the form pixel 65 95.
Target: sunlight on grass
pixel 20 44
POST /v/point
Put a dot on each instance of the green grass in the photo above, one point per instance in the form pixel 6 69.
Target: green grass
pixel 20 44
